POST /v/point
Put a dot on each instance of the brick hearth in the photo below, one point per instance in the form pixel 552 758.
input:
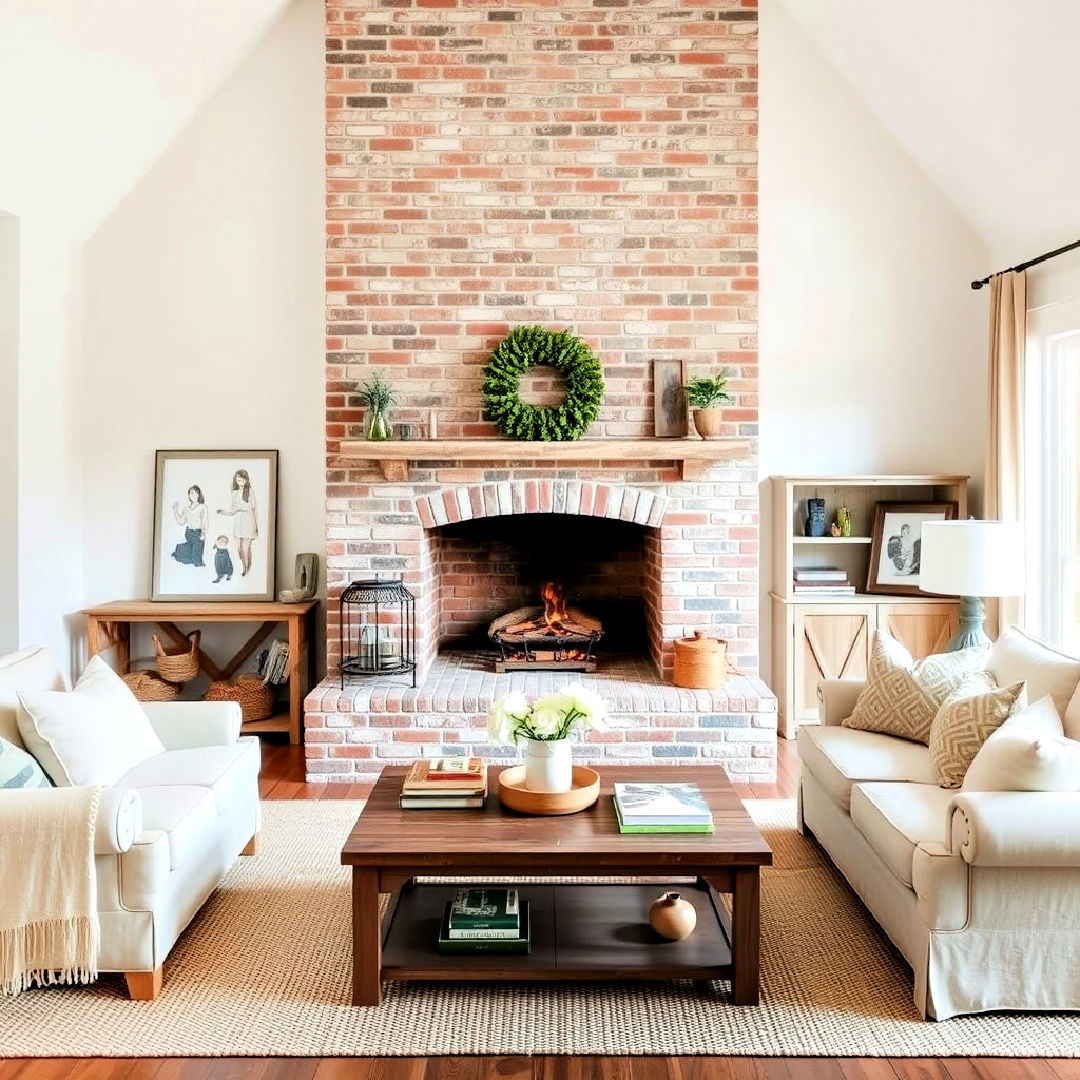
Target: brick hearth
pixel 352 734
pixel 579 163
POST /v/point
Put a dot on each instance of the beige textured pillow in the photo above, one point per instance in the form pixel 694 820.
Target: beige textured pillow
pixel 902 697
pixel 966 720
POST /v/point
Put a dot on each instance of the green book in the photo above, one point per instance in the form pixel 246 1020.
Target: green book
pixel 473 946
pixel 485 909
pixel 659 828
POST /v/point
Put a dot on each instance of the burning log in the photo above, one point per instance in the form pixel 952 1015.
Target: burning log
pixel 554 620
pixel 554 636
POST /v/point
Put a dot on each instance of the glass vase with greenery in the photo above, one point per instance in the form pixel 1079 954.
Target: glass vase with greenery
pixel 377 395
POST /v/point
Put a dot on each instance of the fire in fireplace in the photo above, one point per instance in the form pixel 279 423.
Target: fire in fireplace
pixel 551 637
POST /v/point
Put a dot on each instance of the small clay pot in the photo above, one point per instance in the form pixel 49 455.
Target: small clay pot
pixel 709 422
pixel 672 917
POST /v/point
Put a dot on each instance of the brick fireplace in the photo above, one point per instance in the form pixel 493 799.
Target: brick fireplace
pixel 580 163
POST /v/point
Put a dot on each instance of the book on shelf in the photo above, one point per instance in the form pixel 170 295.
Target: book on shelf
pixel 460 776
pixel 487 908
pixel 820 573
pixel 661 805
pixel 823 590
pixel 518 944
pixel 274 663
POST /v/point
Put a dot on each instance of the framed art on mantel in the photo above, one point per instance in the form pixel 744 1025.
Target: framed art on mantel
pixel 215 524
pixel 669 399
pixel 896 545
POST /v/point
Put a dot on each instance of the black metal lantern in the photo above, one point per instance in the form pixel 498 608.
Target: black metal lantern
pixel 378 629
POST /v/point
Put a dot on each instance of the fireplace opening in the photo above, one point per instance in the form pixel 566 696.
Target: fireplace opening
pixel 542 591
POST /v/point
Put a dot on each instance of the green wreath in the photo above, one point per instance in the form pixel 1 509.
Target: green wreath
pixel 532 346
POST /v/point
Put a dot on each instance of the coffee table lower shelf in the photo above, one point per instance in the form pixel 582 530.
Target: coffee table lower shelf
pixel 578 932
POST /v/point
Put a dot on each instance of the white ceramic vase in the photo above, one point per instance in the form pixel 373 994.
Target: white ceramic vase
pixel 548 765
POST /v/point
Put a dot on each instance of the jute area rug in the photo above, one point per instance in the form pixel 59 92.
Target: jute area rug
pixel 264 970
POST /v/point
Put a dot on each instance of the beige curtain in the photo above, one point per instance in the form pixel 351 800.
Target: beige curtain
pixel 1004 494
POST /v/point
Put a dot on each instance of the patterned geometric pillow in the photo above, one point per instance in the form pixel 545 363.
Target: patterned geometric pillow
pixel 18 769
pixel 966 720
pixel 902 697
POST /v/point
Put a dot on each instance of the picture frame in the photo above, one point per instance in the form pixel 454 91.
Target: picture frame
pixel 670 418
pixel 215 525
pixel 895 545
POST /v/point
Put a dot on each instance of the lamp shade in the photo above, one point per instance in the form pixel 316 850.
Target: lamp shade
pixel 972 558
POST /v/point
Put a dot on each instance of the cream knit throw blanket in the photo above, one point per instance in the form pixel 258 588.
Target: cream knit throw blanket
pixel 48 887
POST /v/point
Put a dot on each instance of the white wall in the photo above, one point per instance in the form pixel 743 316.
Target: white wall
pixel 49 438
pixel 205 310
pixel 9 432
pixel 872 342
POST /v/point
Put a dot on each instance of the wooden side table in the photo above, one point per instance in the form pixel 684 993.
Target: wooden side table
pixel 108 626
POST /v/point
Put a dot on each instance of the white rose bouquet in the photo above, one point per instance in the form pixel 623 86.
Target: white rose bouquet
pixel 548 718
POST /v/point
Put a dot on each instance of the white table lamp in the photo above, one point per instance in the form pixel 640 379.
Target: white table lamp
pixel 972 559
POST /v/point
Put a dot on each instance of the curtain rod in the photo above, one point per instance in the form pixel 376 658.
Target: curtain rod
pixel 1031 262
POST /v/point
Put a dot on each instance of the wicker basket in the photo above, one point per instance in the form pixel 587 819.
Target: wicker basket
pixel 256 698
pixel 181 664
pixel 701 662
pixel 149 686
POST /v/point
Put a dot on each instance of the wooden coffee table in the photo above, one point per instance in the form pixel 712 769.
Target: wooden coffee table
pixel 579 931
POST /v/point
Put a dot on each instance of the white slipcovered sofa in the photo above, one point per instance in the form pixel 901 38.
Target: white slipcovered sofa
pixel 167 831
pixel 980 891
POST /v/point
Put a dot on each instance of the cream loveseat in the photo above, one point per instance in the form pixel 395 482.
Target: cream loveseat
pixel 167 831
pixel 980 891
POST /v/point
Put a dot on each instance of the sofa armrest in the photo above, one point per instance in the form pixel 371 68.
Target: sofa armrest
pixel 119 821
pixel 119 815
pixel 1017 828
pixel 182 725
pixel 837 698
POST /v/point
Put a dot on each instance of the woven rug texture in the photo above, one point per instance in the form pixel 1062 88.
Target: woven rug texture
pixel 264 970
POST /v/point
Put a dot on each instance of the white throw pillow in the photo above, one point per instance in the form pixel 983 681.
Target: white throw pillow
pixel 1027 753
pixel 28 669
pixel 1019 657
pixel 92 735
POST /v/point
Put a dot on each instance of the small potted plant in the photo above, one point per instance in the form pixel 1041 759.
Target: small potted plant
pixel 545 725
pixel 706 395
pixel 378 396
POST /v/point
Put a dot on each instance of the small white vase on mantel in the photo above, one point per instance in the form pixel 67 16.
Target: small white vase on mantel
pixel 549 765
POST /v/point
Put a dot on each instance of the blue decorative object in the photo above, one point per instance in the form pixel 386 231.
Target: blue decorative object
pixel 815 517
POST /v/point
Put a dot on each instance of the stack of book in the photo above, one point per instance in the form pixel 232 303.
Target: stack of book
pixel 822 581
pixel 445 784
pixel 662 808
pixel 274 662
pixel 485 920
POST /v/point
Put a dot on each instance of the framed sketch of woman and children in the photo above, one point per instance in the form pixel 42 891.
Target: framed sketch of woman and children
pixel 215 516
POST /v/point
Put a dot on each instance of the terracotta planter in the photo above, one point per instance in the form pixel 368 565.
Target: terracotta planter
pixel 672 917
pixel 709 422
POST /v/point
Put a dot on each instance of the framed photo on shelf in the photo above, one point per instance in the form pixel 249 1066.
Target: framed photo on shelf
pixel 669 399
pixel 896 545
pixel 215 525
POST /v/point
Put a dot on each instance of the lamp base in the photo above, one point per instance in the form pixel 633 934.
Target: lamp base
pixel 970 632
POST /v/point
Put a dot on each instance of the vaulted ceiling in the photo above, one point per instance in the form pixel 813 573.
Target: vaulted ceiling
pixel 92 91
pixel 983 94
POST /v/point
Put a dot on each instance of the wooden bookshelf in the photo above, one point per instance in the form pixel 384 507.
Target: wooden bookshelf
pixel 817 637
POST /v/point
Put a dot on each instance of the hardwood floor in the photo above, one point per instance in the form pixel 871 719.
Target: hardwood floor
pixel 283 778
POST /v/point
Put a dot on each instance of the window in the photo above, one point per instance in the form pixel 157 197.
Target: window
pixel 1053 475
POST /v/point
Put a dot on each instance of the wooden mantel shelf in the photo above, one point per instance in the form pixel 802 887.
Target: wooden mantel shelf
pixel 694 455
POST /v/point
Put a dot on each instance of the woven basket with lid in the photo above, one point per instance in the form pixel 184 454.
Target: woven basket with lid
pixel 701 662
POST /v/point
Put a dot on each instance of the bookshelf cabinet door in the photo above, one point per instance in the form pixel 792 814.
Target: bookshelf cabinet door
pixel 921 628
pixel 831 642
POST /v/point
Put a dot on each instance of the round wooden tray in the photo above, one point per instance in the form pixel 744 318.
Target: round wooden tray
pixel 514 795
